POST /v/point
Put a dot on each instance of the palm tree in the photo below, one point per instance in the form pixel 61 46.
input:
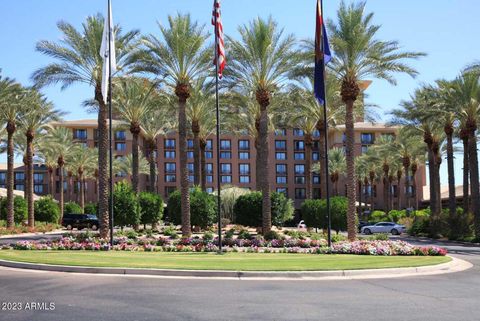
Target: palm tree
pixel 336 166
pixel 124 164
pixel 134 99
pixel 11 110
pixel 62 145
pixel 79 61
pixel 38 113
pixel 180 57
pixel 80 160
pixel 260 64
pixel 358 55
pixel 383 150
pixel 49 159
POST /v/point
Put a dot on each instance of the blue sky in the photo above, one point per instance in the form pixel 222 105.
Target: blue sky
pixel 446 30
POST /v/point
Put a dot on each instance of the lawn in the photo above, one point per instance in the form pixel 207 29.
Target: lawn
pixel 211 261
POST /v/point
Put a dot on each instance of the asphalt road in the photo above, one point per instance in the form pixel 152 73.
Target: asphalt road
pixel 96 297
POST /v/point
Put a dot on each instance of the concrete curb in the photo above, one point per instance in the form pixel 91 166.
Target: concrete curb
pixel 455 265
pixel 19 236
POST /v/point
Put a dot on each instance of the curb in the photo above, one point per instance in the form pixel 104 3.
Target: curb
pixel 455 265
pixel 13 236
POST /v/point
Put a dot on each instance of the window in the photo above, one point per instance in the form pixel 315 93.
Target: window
pixel 244 179
pixel 121 174
pixel 281 156
pixel 281 179
pixel 208 155
pixel 280 132
pixel 170 154
pixel 300 193
pixel 244 155
pixel 226 168
pixel 120 135
pixel 19 187
pixel 394 190
pixel 299 156
pixel 344 138
pixel 225 155
pixel 190 155
pixel 190 167
pixel 316 145
pixel 369 191
pixel 316 133
pixel 191 178
pixel 170 178
pixel 299 169
pixel 315 156
pixel 283 190
pixel 38 189
pixel 298 132
pixel 209 144
pixel 244 169
pixel 209 190
pixel 209 179
pixel 244 145
pixel 38 178
pixel 367 138
pixel 20 176
pixel 316 193
pixel 170 143
pixel 299 145
pixel 209 168
pixel 364 149
pixel 169 190
pixel 316 179
pixel 411 191
pixel 226 179
pixel 225 144
pixel 170 167
pixel 299 179
pixel 281 168
pixel 121 147
pixel 80 134
pixel 189 143
pixel 280 144
pixel 3 177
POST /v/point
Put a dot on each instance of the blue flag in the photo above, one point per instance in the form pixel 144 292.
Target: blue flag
pixel 322 56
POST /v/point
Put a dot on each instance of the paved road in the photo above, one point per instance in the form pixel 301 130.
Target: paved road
pixel 95 297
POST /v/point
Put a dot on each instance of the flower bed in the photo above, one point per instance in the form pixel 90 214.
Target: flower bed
pixel 161 244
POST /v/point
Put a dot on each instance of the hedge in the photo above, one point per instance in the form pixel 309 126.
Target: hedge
pixel 203 210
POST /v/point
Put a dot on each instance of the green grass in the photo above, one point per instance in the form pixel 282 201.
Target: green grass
pixel 211 261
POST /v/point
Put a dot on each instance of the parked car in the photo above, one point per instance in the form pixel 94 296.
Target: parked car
pixel 362 224
pixel 302 225
pixel 80 221
pixel 384 227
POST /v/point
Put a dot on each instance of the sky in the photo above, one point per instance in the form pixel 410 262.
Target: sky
pixel 444 29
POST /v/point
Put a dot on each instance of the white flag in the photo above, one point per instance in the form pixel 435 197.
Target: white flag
pixel 108 45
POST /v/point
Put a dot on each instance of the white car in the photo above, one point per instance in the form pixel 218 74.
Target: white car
pixel 302 225
pixel 384 227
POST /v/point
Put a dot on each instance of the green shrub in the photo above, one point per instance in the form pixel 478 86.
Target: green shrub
pixel 125 205
pixel 91 208
pixel 131 234
pixel 338 238
pixel 248 209
pixel 272 235
pixel 151 208
pixel 19 209
pixel 314 213
pixel 395 216
pixel 461 226
pixel 229 196
pixel 378 216
pixel 244 235
pixel 72 208
pixel 230 233
pixel 47 210
pixel 208 236
pixel 203 209
pixel 378 237
pixel 170 231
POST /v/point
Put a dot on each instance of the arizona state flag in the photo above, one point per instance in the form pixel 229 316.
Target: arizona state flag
pixel 322 56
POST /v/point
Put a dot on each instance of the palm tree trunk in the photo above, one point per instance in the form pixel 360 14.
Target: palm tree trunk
pixel 406 165
pixel 196 153
pixel 153 167
pixel 386 194
pixel 321 156
pixel 10 174
pixel 135 131
pixel 414 184
pixel 51 182
pixel 466 172
pixel 308 165
pixel 451 177
pixel 359 198
pixel 61 201
pixel 203 173
pixel 103 174
pixel 82 190
pixel 351 180
pixel 263 98
pixel 258 165
pixel 399 194
pixel 474 180
pixel 182 92
pixel 29 181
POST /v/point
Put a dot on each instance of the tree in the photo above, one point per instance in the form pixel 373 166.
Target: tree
pixel 78 60
pixel 10 111
pixel 134 99
pixel 80 159
pixel 180 57
pixel 260 63
pixel 124 165
pixel 359 55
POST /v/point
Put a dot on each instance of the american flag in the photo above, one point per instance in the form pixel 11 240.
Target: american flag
pixel 322 55
pixel 217 22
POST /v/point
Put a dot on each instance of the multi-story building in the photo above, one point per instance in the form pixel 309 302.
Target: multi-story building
pixel 40 178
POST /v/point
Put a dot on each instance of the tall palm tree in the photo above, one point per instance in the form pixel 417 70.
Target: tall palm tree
pixel 80 160
pixel 124 165
pixel 336 167
pixel 134 99
pixel 62 145
pixel 11 110
pixel 78 60
pixel 39 112
pixel 359 55
pixel 49 159
pixel 179 56
pixel 261 61
pixel 383 150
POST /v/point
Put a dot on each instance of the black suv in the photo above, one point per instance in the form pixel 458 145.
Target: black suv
pixel 80 221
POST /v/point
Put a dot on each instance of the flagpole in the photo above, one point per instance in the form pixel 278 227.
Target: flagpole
pixel 325 127
pixel 110 207
pixel 217 112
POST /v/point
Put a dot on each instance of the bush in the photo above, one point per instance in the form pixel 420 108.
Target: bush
pixel 272 235
pixel 208 236
pixel 229 196
pixel 203 212
pixel 151 208
pixel 395 216
pixel 72 208
pixel 125 205
pixel 314 213
pixel 19 209
pixel 230 233
pixel 91 208
pixel 47 210
pixel 132 235
pixel 170 231
pixel 378 216
pixel 248 209
pixel 244 235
